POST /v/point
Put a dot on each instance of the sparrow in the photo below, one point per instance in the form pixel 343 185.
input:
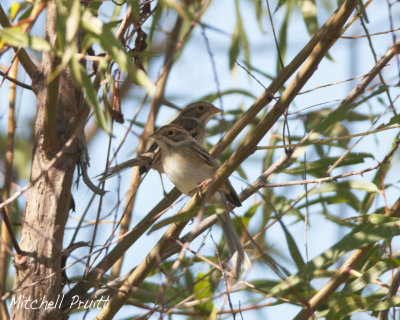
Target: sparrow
pixel 193 118
pixel 188 165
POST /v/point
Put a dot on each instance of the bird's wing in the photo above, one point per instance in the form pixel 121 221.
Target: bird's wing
pixel 230 193
pixel 191 125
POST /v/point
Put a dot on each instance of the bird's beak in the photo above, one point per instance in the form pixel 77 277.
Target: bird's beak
pixel 215 110
pixel 155 135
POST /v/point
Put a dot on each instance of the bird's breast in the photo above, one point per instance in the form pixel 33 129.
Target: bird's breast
pixel 186 174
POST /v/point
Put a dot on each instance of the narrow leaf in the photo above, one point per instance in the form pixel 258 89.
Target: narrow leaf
pixel 83 80
pixel 17 38
pixel 293 249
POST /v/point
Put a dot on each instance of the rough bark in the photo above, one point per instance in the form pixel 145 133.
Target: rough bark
pixel 38 277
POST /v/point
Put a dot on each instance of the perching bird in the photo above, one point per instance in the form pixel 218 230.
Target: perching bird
pixel 193 118
pixel 187 164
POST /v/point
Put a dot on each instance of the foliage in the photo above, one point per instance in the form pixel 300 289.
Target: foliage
pixel 328 166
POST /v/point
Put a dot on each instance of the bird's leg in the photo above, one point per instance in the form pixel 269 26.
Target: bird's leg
pixel 200 187
pixel 162 184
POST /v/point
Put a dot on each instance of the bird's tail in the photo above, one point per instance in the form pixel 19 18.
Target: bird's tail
pixel 238 256
pixel 143 160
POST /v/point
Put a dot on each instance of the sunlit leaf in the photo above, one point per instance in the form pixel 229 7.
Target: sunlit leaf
pixel 72 22
pixel 371 275
pixel 14 9
pixel 349 305
pixel 309 11
pixel 17 38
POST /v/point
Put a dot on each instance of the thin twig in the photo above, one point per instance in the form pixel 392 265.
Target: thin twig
pixel 371 34
pixel 324 141
pixel 19 83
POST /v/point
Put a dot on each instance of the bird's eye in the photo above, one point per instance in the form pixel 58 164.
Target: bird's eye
pixel 170 132
pixel 201 107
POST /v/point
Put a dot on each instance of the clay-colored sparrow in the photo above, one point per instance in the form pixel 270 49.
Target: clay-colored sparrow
pixel 193 118
pixel 187 164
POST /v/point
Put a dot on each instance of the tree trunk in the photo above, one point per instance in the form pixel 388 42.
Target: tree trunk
pixel 38 279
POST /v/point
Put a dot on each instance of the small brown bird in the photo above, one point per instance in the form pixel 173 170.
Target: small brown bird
pixel 187 164
pixel 193 118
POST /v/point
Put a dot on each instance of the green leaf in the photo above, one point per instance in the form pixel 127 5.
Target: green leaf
pixel 371 275
pixel 234 48
pixel 340 113
pixel 72 22
pixel 142 79
pixel 202 289
pixel 95 6
pixel 250 213
pixel 346 185
pixel 342 196
pixel 280 4
pixel 356 116
pixel 86 85
pixel 309 11
pixel 213 313
pixel 283 37
pixel 259 10
pixel 17 38
pixel 394 120
pixel 293 249
pixel 318 167
pixel 67 29
pixel 113 47
pixel 180 9
pixel 154 23
pixel 367 232
pixel 25 9
pixel 242 34
pixel 282 203
pixel 349 305
pixel 362 10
